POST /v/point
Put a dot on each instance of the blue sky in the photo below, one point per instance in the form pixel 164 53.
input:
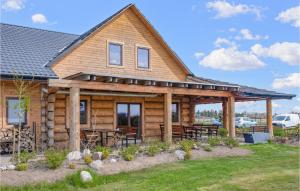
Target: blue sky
pixel 254 43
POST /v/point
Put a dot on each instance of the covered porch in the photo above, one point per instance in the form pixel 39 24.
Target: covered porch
pixel 154 100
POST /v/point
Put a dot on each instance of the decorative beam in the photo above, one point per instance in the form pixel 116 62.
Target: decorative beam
pixel 168 117
pixel 74 119
pixel 231 116
pixel 269 116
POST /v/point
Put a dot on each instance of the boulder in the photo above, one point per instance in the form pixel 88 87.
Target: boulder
pixel 97 156
pixel 85 176
pixel 3 168
pixel 112 160
pixel 10 167
pixel 86 152
pixel 96 164
pixel 74 155
pixel 180 154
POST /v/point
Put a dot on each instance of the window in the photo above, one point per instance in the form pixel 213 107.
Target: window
pixel 83 112
pixel 175 112
pixel 12 111
pixel 143 58
pixel 115 54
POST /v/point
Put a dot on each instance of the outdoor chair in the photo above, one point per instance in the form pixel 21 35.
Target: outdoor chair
pixel 127 133
pixel 177 132
pixel 189 132
pixel 89 138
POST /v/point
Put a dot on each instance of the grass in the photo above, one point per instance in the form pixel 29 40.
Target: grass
pixel 271 167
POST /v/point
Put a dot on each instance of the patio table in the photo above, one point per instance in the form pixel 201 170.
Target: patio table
pixel 103 132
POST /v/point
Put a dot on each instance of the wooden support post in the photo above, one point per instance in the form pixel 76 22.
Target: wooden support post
pixel 168 117
pixel 231 116
pixel 269 116
pixel 225 114
pixel 192 111
pixel 74 119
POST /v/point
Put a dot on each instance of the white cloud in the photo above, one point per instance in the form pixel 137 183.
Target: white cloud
pixel 288 52
pixel 276 105
pixel 291 81
pixel 199 55
pixel 231 59
pixel 291 15
pixel 296 109
pixel 232 29
pixel 11 5
pixel 39 18
pixel 246 34
pixel 224 9
pixel 223 41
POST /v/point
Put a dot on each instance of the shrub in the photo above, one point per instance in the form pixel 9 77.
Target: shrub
pixel 22 167
pixel 152 149
pixel 25 156
pixel 214 141
pixel 129 152
pixel 104 150
pixel 231 142
pixel 207 148
pixel 223 132
pixel 279 132
pixel 163 146
pixel 72 165
pixel 54 158
pixel 186 145
pixel 187 155
pixel 88 159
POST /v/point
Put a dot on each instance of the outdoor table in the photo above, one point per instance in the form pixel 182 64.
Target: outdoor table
pixel 102 132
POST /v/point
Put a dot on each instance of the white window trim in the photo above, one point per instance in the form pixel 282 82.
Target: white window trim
pixel 107 54
pixel 136 57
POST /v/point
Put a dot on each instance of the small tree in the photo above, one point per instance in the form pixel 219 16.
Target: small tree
pixel 23 89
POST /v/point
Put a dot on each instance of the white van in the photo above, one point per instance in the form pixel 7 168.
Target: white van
pixel 286 120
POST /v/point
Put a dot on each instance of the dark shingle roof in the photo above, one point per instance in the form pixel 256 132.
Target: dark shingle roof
pixel 246 90
pixel 25 50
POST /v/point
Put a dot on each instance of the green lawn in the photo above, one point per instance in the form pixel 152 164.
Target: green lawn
pixel 271 167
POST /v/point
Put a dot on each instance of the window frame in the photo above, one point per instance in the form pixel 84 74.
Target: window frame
pixel 121 54
pixel 177 110
pixel 7 121
pixel 86 113
pixel 137 57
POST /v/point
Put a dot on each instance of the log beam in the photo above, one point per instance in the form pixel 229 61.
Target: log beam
pixel 168 117
pixel 74 119
pixel 225 113
pixel 231 116
pixel 269 116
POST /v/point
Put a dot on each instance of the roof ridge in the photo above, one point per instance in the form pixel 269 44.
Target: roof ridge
pixel 38 29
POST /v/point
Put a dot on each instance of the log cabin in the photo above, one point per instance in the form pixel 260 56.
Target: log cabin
pixel 120 72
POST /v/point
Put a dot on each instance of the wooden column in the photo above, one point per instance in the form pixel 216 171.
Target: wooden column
pixel 231 116
pixel 74 119
pixel 192 111
pixel 269 116
pixel 225 113
pixel 168 117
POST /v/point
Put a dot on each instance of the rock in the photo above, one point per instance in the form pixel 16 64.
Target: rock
pixel 97 156
pixel 113 160
pixel 10 167
pixel 180 154
pixel 85 176
pixel 3 168
pixel 96 164
pixel 86 152
pixel 74 155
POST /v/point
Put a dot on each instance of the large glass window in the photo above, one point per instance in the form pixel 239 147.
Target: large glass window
pixel 115 54
pixel 122 110
pixel 175 112
pixel 12 111
pixel 143 58
pixel 83 112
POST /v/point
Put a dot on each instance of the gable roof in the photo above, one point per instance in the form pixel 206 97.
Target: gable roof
pixel 85 35
pixel 25 50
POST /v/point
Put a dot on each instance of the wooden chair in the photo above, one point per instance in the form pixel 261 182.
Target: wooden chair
pixel 177 132
pixel 189 132
pixel 259 128
pixel 210 130
pixel 89 138
pixel 127 133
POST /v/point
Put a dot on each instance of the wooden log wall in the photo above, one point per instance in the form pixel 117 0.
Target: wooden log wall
pixel 102 112
pixel 43 140
pixel 61 137
pixel 50 119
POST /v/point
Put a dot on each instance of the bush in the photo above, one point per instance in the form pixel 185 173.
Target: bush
pixel 88 159
pixel 72 165
pixel 207 148
pixel 22 167
pixel 104 150
pixel 55 158
pixel 187 155
pixel 152 149
pixel 129 152
pixel 279 132
pixel 214 141
pixel 163 146
pixel 186 145
pixel 25 156
pixel 223 132
pixel 231 142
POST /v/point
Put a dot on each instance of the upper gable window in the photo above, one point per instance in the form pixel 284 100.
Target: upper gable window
pixel 143 58
pixel 115 54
